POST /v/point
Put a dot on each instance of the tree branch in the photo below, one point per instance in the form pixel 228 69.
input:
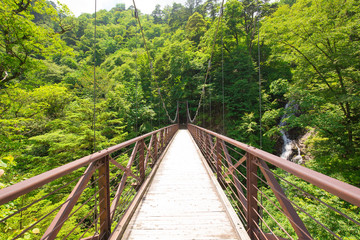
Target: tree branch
pixel 318 72
pixel 6 75
pixel 226 49
pixel 21 6
pixel 64 29
pixel 346 109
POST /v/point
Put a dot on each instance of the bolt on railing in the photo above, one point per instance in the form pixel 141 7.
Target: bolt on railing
pixel 102 187
pixel 276 198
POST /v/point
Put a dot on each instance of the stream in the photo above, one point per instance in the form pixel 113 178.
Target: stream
pixel 288 145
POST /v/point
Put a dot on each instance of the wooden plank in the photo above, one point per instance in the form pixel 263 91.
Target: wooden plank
pixel 182 201
pixel 237 224
pixel 121 226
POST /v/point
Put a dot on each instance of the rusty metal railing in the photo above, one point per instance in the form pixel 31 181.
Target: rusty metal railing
pixel 101 186
pixel 278 199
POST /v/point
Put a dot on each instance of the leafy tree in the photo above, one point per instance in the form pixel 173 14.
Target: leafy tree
pixel 251 13
pixel 210 8
pixel 158 14
pixel 47 73
pixel 233 20
pixel 195 27
pixel 192 6
pixel 321 40
pixel 289 2
pixel 177 16
pixel 22 41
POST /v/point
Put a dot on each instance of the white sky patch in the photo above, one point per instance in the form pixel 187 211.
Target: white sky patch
pixel 88 6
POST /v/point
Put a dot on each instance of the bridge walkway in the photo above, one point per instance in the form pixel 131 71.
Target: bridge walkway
pixel 184 201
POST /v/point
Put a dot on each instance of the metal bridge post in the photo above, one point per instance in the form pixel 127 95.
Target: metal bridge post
pixel 161 140
pixel 251 183
pixel 178 114
pixel 218 160
pixel 142 161
pixel 155 155
pixel 166 136
pixel 211 149
pixel 197 136
pixel 203 141
pixel 104 199
pixel 187 113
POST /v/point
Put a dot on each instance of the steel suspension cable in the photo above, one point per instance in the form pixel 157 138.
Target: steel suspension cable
pixel 94 113
pixel 210 107
pixel 94 93
pixel 159 124
pixel 136 91
pixel 209 65
pixel 151 66
pixel 260 108
pixel 259 66
pixel 222 75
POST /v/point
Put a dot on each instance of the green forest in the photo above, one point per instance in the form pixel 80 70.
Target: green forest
pixel 309 52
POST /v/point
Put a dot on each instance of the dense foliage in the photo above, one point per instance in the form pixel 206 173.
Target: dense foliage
pixel 309 56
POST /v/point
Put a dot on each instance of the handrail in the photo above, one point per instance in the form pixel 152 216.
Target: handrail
pixel 341 189
pixel 146 150
pixel 14 191
pixel 249 180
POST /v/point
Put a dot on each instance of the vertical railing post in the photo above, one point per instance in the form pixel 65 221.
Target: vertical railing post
pixel 168 130
pixel 200 141
pixel 166 136
pixel 142 161
pixel 155 155
pixel 211 148
pixel 199 138
pixel 161 140
pixel 218 160
pixel 178 114
pixel 196 135
pixel 252 206
pixel 104 199
pixel 187 113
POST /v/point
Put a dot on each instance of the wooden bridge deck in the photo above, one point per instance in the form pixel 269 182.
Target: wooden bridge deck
pixel 183 200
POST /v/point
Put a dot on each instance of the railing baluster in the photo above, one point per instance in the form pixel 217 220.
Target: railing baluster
pixel 291 214
pixel 104 199
pixel 218 160
pixel 155 155
pixel 141 161
pixel 236 180
pixel 99 160
pixel 252 207
pixel 161 140
pixel 257 160
pixel 65 210
pixel 211 146
pixel 123 181
pixel 149 153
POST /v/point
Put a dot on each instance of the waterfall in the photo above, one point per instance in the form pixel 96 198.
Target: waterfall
pixel 287 149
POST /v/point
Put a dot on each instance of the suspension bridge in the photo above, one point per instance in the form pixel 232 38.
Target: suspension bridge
pixel 180 182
